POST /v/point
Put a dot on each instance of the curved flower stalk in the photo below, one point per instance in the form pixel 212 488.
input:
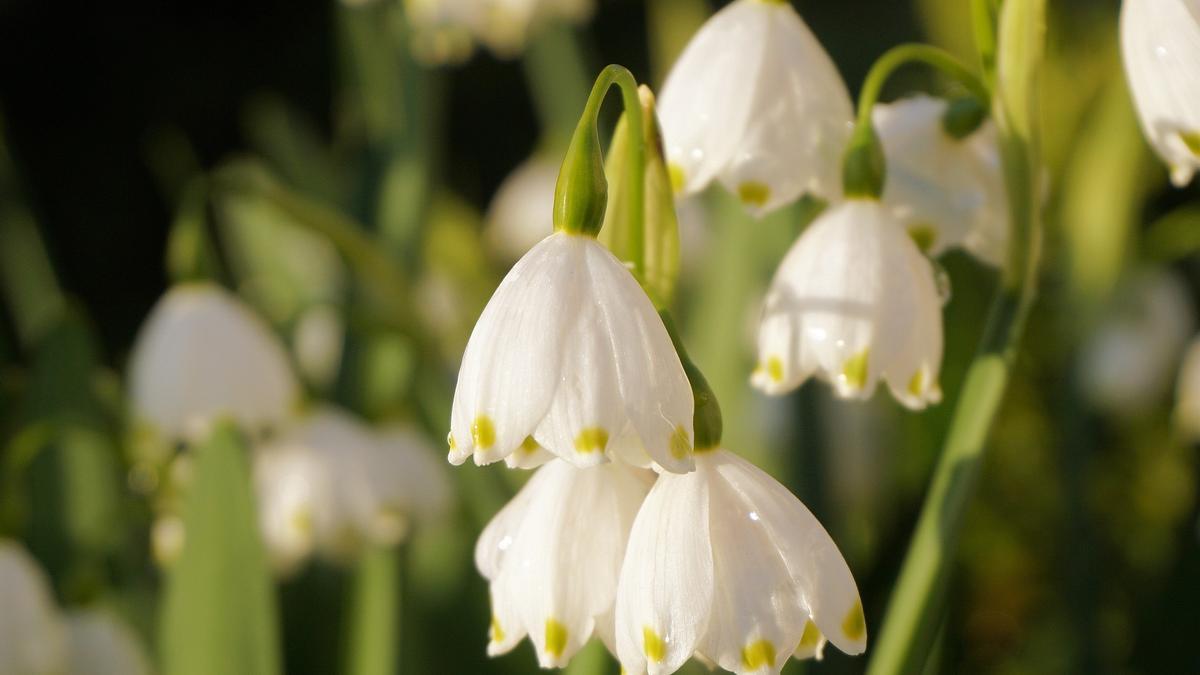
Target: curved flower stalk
pixel 445 28
pixel 1160 42
pixel 521 212
pixel 755 102
pixel 1128 362
pixel 99 643
pixel 332 484
pixel 202 354
pixel 32 637
pixel 946 190
pixel 726 565
pixel 569 354
pixel 553 554
pixel 854 302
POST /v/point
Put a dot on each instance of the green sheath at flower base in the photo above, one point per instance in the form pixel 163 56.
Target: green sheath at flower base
pixel 706 420
pixel 581 195
pixel 863 167
pixel 963 116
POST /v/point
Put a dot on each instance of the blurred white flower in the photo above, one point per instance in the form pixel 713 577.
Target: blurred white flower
pixel 552 557
pixel 1128 362
pixel 521 212
pixel 317 342
pixel 947 192
pixel 1160 41
pixel 202 355
pixel 755 102
pixel 445 28
pixel 1187 394
pixel 32 637
pixel 726 564
pixel 99 643
pixel 854 301
pixel 331 484
pixel 167 535
pixel 570 353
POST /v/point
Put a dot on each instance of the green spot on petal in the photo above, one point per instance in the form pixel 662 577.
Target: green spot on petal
pixel 529 446
pixel 655 648
pixel 497 633
pixel 483 432
pixel 855 624
pixel 916 385
pixel 556 637
pixel 775 369
pixel 924 236
pixel 681 447
pixel 591 439
pixel 758 654
pixel 450 441
pixel 754 193
pixel 854 370
pixel 1192 140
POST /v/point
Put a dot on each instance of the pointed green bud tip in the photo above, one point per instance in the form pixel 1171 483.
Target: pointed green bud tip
pixel 863 166
pixel 963 117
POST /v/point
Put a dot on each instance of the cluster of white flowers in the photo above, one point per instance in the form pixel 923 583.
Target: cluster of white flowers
pixel 445 29
pixel 755 102
pixel 637 528
pixel 36 638
pixel 325 481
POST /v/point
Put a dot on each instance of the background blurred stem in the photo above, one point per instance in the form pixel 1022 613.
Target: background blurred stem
pixel 557 73
pixel 375 613
pixel 672 23
pixel 918 603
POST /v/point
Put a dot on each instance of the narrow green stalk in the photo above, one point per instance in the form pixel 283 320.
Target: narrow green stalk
pixel 917 605
pixel 375 618
pixel 582 191
pixel 900 55
pixel 983 19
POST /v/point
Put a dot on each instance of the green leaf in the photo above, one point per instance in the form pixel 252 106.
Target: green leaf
pixel 219 613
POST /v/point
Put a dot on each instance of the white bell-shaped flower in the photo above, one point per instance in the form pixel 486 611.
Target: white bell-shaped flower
pixel 201 355
pixel 1160 42
pixel 854 301
pixel 727 565
pixel 521 212
pixel 32 637
pixel 947 192
pixel 553 554
pixel 99 643
pixel 569 354
pixel 1187 393
pixel 1128 363
pixel 755 102
pixel 331 484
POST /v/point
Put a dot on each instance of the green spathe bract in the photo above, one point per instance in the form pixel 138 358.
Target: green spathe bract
pixel 219 614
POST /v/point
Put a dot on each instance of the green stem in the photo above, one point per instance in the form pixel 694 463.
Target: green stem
pixel 983 19
pixel 917 606
pixel 580 197
pixel 900 55
pixel 375 623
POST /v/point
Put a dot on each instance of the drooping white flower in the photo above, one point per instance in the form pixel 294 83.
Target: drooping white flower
pixel 854 301
pixel 99 643
pixel 521 212
pixel 32 638
pixel 1187 393
pixel 948 192
pixel 331 484
pixel 201 355
pixel 1128 362
pixel 317 342
pixel 552 557
pixel 1160 42
pixel 570 353
pixel 755 102
pixel 726 564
